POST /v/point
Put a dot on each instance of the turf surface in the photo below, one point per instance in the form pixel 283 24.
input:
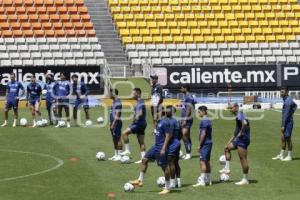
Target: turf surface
pixel 83 177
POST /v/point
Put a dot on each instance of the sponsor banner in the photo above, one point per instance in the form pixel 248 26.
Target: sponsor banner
pixel 239 77
pixel 90 75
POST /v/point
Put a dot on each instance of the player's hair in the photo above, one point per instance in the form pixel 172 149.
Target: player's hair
pixel 186 86
pixel 114 91
pixel 64 73
pixel 235 105
pixel 74 76
pixel 138 90
pixel 284 88
pixel 169 110
pixel 12 73
pixel 203 108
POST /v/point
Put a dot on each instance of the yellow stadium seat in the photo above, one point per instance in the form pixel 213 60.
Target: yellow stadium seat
pixel 133 2
pixel 185 31
pixel 165 31
pixel 124 32
pixel 178 39
pixel 157 39
pixel 141 24
pixel 154 31
pixel 137 40
pixel 188 39
pixel 198 39
pixel 144 32
pixel 147 40
pixel 167 39
pixel 162 24
pixel 134 31
pixel 175 31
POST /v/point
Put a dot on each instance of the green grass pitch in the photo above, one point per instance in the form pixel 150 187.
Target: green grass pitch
pixel 89 179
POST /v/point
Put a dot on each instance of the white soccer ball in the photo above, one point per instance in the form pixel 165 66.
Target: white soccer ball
pixel 100 120
pixel 125 159
pixel 61 124
pixel 45 122
pixel 23 122
pixel 161 181
pixel 100 155
pixel 222 159
pixel 39 123
pixel 44 92
pixel 128 187
pixel 88 123
pixel 224 177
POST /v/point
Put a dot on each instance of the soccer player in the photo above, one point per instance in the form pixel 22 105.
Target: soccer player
pixel 12 99
pixel 34 91
pixel 159 152
pixel 240 141
pixel 287 123
pixel 187 119
pixel 80 91
pixel 62 92
pixel 156 99
pixel 205 147
pixel 116 123
pixel 138 126
pixel 50 100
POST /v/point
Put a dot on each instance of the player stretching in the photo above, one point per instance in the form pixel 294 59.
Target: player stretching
pixel 34 91
pixel 187 119
pixel 138 126
pixel 80 90
pixel 159 151
pixel 205 146
pixel 62 92
pixel 156 99
pixel 50 100
pixel 12 99
pixel 287 123
pixel 116 123
pixel 239 141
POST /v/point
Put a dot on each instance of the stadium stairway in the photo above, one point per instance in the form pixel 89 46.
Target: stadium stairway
pixel 108 36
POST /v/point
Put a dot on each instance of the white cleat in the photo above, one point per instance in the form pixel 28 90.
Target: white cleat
pixel 224 171
pixel 14 124
pixel 200 182
pixel 57 126
pixel 288 158
pixel 4 124
pixel 138 162
pixel 125 153
pixel 68 125
pixel 187 157
pixel 112 158
pixel 278 157
pixel 33 125
pixel 243 182
pixel 116 158
pixel 178 184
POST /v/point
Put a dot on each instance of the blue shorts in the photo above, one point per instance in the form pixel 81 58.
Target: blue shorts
pixel 12 103
pixel 33 102
pixel 161 161
pixel 150 154
pixel 138 128
pixel 205 152
pixel 189 124
pixel 242 142
pixel 82 102
pixel 288 129
pixel 116 132
pixel 174 148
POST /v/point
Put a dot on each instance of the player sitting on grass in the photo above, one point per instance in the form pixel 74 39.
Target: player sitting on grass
pixel 287 122
pixel 34 91
pixel 116 123
pixel 50 100
pixel 187 119
pixel 138 126
pixel 12 99
pixel 205 147
pixel 159 151
pixel 239 141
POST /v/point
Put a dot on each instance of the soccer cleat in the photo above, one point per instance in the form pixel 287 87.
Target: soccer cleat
pixel 4 124
pixel 243 182
pixel 137 183
pixel 165 191
pixel 138 162
pixel 57 126
pixel 125 153
pixel 33 125
pixel 68 125
pixel 200 182
pixel 288 158
pixel 117 158
pixel 14 124
pixel 278 157
pixel 178 184
pixel 224 171
pixel 173 184
pixel 187 156
pixel 112 158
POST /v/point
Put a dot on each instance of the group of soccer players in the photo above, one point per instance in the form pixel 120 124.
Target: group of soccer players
pixel 58 94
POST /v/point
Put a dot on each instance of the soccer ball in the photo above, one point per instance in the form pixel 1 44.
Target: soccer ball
pixel 39 123
pixel 128 187
pixel 23 122
pixel 222 160
pixel 44 92
pixel 125 159
pixel 161 181
pixel 88 123
pixel 100 120
pixel 45 122
pixel 100 156
pixel 224 177
pixel 61 124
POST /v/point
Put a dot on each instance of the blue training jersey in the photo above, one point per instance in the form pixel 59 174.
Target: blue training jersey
pixel 79 89
pixel 62 89
pixel 176 128
pixel 49 87
pixel 206 125
pixel 188 101
pixel 13 89
pixel 163 127
pixel 140 107
pixel 288 109
pixel 34 91
pixel 240 118
pixel 115 107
